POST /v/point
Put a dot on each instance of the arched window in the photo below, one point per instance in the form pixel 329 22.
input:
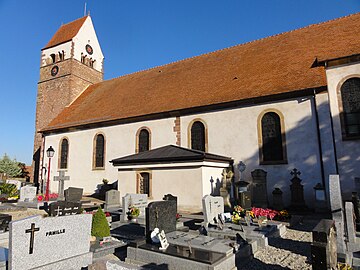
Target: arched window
pixel 143 140
pixel 99 151
pixel 272 140
pixel 198 137
pixel 53 57
pixel 64 153
pixel 350 96
pixel 143 186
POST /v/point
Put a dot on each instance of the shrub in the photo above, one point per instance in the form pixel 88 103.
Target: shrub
pixel 100 226
pixel 9 189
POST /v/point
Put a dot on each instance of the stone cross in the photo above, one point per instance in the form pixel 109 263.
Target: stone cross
pixel 224 175
pixel 32 231
pixel 61 178
pixel 295 172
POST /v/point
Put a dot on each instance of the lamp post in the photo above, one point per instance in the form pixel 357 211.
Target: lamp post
pixel 50 153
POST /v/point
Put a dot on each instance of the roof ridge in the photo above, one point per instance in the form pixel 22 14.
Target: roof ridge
pixel 74 20
pixel 233 46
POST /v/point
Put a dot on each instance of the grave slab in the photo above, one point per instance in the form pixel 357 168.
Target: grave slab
pixel 136 200
pixel 112 200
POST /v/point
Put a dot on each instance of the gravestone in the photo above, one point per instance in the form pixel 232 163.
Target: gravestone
pixel 61 178
pixel 212 207
pixel 162 215
pixel 50 243
pixel 28 197
pixel 259 188
pixel 112 200
pixel 323 247
pixel 136 200
pixel 336 204
pixel 4 222
pixel 224 193
pixel 64 208
pixel 297 191
pixel 353 241
pixel 245 199
pixel 73 194
pixel 278 203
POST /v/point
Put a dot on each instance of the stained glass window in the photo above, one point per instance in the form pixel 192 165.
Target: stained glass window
pixel 350 95
pixel 272 148
pixel 144 140
pixel 64 151
pixel 99 151
pixel 198 136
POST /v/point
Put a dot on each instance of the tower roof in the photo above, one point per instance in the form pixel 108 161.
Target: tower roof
pixel 275 65
pixel 66 32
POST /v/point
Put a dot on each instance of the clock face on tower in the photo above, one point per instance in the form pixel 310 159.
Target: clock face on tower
pixel 89 49
pixel 54 70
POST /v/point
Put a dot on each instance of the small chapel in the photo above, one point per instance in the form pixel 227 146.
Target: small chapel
pixel 277 105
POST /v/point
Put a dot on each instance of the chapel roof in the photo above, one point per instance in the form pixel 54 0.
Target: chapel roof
pixel 66 32
pixel 274 65
pixel 168 154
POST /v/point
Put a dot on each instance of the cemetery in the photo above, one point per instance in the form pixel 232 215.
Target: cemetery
pixel 232 231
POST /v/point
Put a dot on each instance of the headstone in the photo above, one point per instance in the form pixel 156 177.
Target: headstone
pixel 61 178
pixel 28 194
pixel 320 203
pixel 323 247
pixel 162 215
pixel 278 203
pixel 73 194
pixel 212 207
pixel 36 242
pixel 297 191
pixel 17 183
pixel 28 197
pixel 4 222
pixel 224 193
pixel 353 240
pixel 357 184
pixel 259 188
pixel 136 200
pixel 337 211
pixel 245 199
pixel 112 200
pixel 64 208
pixel 170 197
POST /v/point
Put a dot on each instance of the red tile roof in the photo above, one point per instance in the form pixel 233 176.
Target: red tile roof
pixel 66 32
pixel 273 65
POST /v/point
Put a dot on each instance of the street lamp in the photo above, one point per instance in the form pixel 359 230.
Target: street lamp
pixel 50 153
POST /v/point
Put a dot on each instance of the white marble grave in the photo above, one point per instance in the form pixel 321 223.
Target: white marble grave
pixel 212 207
pixel 50 243
pixel 136 200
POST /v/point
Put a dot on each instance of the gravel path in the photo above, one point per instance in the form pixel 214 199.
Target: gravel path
pixel 292 251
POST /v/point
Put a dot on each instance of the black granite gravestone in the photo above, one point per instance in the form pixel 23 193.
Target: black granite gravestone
pixel 323 247
pixel 73 194
pixel 64 208
pixel 4 222
pixel 162 215
pixel 297 191
pixel 278 199
pixel 356 202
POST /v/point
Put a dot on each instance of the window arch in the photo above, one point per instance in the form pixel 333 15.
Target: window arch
pixel 99 152
pixel 53 57
pixel 143 142
pixel 64 153
pixel 272 138
pixel 350 98
pixel 198 135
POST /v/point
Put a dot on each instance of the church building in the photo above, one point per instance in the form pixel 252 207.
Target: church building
pixel 287 101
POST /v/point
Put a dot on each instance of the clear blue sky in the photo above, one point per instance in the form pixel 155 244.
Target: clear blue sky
pixel 134 35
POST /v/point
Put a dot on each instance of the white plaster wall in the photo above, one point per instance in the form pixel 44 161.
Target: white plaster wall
pixel 234 133
pixel 45 54
pixel 120 141
pixel 215 174
pixel 348 151
pixel 87 35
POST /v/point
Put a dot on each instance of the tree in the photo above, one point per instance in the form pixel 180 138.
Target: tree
pixel 100 226
pixel 9 167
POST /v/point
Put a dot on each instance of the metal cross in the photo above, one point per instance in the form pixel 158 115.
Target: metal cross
pixel 295 172
pixel 32 231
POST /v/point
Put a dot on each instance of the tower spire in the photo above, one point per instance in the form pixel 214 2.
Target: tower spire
pixel 85 9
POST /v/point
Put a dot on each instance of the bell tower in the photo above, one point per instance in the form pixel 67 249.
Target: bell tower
pixel 70 62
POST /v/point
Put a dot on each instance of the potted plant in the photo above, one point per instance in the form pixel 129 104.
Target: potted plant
pixel 133 213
